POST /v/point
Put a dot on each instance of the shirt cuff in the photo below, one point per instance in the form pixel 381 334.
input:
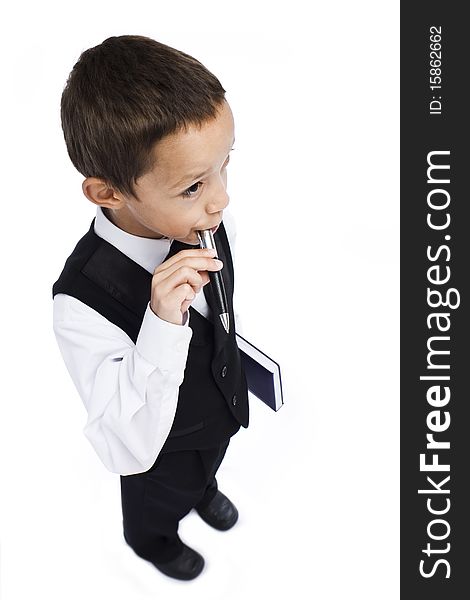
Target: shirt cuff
pixel 162 343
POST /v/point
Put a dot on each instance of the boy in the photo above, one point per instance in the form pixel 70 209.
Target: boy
pixel 150 130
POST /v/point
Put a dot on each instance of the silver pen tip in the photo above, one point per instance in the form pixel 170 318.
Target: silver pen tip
pixel 224 317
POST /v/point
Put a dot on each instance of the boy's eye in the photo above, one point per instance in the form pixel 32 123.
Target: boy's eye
pixel 192 190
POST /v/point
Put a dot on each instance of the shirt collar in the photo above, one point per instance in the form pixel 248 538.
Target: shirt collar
pixel 146 252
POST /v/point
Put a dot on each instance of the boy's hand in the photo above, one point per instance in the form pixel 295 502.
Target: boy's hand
pixel 177 280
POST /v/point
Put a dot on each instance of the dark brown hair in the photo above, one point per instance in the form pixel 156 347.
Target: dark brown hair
pixel 125 95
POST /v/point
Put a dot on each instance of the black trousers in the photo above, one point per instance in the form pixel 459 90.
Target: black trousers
pixel 154 502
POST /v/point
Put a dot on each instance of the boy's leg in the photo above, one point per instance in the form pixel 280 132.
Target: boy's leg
pixel 154 502
pixel 211 466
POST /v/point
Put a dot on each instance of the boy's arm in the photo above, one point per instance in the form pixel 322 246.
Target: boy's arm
pixel 129 391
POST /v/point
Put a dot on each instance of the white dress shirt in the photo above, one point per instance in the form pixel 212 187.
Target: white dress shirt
pixel 130 391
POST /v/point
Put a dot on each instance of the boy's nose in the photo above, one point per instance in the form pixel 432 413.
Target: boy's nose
pixel 219 201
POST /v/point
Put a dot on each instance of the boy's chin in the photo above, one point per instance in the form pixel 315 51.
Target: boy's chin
pixel 191 240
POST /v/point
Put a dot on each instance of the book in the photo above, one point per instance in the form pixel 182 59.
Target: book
pixel 263 374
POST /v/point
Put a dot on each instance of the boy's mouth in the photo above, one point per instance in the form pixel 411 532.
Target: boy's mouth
pixel 213 230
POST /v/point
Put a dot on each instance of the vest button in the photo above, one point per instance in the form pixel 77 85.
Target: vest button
pixel 224 371
pixel 234 400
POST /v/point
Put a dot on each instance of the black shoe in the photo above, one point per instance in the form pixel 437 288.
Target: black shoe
pixel 187 565
pixel 221 513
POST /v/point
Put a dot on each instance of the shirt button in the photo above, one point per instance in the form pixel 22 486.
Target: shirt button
pixel 234 400
pixel 224 371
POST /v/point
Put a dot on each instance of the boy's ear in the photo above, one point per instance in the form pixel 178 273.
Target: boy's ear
pixel 99 192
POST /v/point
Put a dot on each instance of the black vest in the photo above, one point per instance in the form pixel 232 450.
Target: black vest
pixel 213 398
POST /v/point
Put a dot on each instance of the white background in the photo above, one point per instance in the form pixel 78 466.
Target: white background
pixel 314 190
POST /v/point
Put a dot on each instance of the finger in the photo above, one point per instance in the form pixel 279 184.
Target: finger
pixel 193 263
pixel 184 307
pixel 196 253
pixel 178 278
pixel 183 295
pixel 204 277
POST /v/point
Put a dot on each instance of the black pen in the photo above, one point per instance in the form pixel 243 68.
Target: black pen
pixel 206 240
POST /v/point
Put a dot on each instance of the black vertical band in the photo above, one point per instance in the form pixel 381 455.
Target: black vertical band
pixel 435 300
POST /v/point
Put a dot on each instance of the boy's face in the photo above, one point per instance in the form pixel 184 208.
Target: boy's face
pixel 187 188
